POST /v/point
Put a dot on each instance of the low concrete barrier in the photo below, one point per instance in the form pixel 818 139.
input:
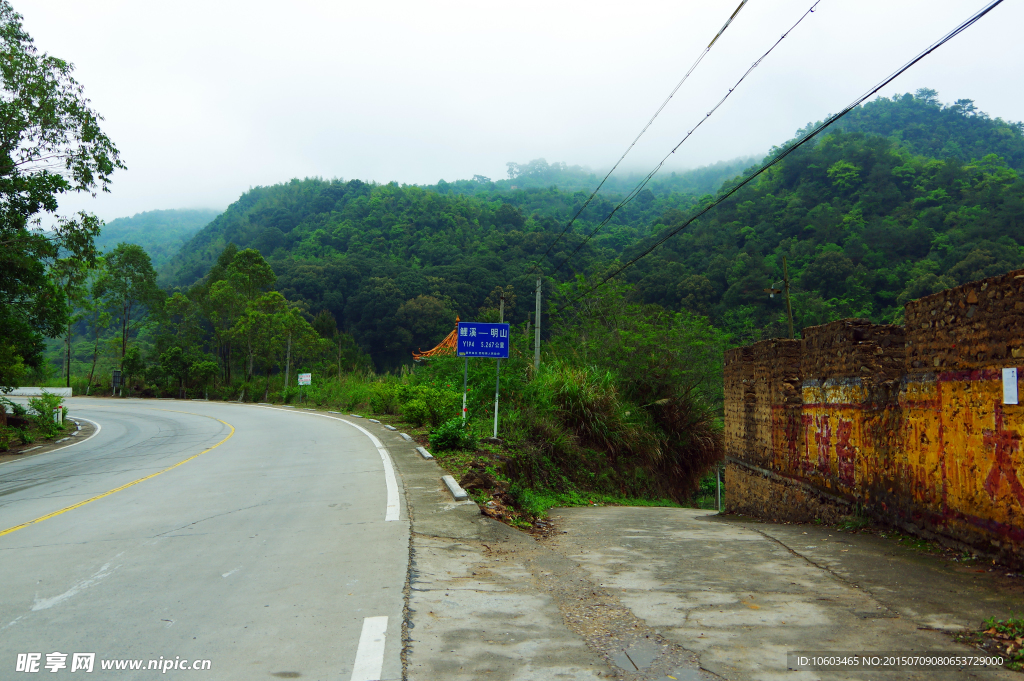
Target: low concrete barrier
pixel 36 392
pixel 458 493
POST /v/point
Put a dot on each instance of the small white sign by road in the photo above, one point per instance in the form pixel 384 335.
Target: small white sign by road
pixel 1010 386
pixel 305 379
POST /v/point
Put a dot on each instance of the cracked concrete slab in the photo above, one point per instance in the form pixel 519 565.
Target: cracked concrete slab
pixel 743 595
pixel 486 601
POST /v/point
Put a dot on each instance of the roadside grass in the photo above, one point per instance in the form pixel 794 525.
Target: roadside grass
pixel 999 637
pixel 456 461
pixel 26 426
pixel 537 503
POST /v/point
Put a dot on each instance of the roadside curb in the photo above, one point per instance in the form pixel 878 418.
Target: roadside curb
pixel 458 493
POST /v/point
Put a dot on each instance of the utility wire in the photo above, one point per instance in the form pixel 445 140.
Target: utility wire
pixel 637 139
pixel 643 183
pixel 788 150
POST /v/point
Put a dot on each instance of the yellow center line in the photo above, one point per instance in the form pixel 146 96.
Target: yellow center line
pixel 72 507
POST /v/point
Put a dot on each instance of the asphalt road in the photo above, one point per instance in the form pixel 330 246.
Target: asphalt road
pixel 274 553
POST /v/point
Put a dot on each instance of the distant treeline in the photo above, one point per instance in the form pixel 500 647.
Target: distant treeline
pixel 905 197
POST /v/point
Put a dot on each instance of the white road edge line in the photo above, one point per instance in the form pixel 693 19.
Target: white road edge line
pixel 389 473
pixel 369 662
pixel 393 510
pixel 98 429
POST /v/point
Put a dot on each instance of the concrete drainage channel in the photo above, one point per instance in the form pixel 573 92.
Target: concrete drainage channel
pixel 485 600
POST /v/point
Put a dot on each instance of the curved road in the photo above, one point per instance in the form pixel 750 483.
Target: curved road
pixel 274 553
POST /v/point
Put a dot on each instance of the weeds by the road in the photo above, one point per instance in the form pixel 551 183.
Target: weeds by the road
pixel 24 426
pixel 1000 637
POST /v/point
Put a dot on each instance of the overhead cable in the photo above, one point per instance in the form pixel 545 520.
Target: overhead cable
pixel 637 139
pixel 793 147
pixel 647 178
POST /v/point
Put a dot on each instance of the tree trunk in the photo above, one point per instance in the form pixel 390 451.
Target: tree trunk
pixel 95 356
pixel 124 337
pixel 68 356
pixel 287 363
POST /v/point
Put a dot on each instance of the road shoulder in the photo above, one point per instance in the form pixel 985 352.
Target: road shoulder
pixel 743 595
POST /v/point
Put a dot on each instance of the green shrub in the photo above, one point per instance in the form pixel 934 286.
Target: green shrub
pixel 416 412
pixel 6 433
pixel 16 408
pixel 45 419
pixel 384 398
pixel 443 404
pixel 24 436
pixel 453 434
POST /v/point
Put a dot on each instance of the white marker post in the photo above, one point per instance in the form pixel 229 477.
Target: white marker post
pixel 718 487
pixel 465 378
pixel 497 386
pixel 497 369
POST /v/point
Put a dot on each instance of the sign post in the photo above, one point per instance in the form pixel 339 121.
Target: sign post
pixel 304 379
pixel 479 339
pixel 465 379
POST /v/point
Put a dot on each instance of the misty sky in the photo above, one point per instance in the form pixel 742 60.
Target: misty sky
pixel 208 98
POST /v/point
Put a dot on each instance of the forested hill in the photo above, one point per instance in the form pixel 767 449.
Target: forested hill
pixel 161 232
pixel 923 126
pixel 381 256
pixel 908 197
pixel 865 221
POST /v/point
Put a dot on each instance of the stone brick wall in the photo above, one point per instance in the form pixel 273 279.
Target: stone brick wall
pixel 974 326
pixel 853 348
pixel 739 401
pixel 776 369
pixel 906 424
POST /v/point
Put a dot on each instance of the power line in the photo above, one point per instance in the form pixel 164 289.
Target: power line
pixel 643 183
pixel 788 150
pixel 633 143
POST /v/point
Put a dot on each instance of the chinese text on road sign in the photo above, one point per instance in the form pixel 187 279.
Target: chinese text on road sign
pixel 477 339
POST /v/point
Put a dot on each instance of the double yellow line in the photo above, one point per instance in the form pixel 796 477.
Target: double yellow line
pixel 72 507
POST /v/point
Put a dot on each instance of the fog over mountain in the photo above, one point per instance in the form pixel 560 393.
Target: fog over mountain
pixel 206 100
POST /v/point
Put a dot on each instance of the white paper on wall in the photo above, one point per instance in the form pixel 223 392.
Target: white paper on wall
pixel 1010 386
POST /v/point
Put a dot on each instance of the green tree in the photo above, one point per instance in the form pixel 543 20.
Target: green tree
pixel 50 144
pixel 132 366
pixel 128 289
pixel 71 276
pixel 250 274
pixel 223 307
pixel 95 318
pixel 259 330
pixel 204 371
pixel 176 363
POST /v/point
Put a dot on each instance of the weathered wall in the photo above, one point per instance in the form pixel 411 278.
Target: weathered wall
pixel 958 470
pixel 739 401
pixel 777 399
pixel 850 411
pixel 906 424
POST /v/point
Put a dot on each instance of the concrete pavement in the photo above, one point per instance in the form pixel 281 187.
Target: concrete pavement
pixel 263 555
pixel 742 594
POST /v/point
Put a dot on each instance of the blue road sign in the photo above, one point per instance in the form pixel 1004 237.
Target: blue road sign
pixel 477 339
